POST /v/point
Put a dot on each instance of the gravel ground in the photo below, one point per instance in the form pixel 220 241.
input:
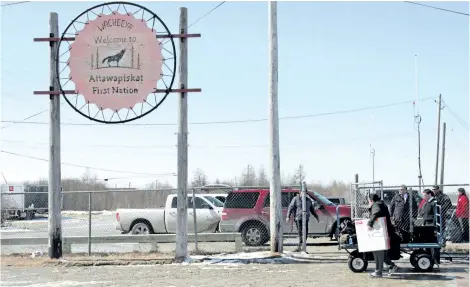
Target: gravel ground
pixel 311 274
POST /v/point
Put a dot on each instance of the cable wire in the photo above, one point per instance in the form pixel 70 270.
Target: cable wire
pixel 207 14
pixel 32 116
pixel 386 137
pixel 23 120
pixel 456 116
pixel 437 8
pixel 14 3
pixel 238 121
pixel 84 166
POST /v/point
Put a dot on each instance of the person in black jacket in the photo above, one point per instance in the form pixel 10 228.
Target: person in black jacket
pixel 444 201
pixel 295 209
pixel 400 209
pixel 429 219
pixel 379 209
pixel 428 208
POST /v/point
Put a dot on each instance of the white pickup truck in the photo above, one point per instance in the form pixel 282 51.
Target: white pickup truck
pixel 163 220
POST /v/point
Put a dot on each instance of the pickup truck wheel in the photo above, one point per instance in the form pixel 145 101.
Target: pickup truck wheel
pixel 254 235
pixel 140 228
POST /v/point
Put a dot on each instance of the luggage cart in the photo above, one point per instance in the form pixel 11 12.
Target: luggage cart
pixel 421 253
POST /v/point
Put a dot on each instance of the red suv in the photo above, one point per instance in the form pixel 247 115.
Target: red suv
pixel 247 211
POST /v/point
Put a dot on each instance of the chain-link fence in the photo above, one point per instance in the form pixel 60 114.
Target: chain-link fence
pixel 215 209
pixel 247 211
pixel 412 206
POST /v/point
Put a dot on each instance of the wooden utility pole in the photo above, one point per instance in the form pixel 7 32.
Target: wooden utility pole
pixel 54 192
pixel 275 175
pixel 443 155
pixel 181 211
pixel 439 108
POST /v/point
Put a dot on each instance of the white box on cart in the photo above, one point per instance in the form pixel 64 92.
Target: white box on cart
pixel 375 239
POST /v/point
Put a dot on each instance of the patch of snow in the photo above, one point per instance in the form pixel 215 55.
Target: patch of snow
pixel 75 212
pixel 14 283
pixel 240 258
pixel 12 229
pixel 37 254
pixel 67 283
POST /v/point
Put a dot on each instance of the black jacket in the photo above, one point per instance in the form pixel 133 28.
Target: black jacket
pixel 400 211
pixel 377 210
pixel 428 212
pixel 444 201
pixel 295 208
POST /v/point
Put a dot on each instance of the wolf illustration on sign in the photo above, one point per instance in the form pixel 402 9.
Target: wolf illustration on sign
pixel 114 58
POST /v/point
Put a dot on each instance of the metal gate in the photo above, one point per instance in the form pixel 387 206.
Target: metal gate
pixel 359 195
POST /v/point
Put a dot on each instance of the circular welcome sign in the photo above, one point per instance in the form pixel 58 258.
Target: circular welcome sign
pixel 116 62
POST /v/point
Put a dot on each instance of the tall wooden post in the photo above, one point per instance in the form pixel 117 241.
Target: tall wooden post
pixel 182 210
pixel 275 174
pixel 54 192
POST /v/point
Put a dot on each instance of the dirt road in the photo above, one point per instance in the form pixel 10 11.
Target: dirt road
pixel 311 274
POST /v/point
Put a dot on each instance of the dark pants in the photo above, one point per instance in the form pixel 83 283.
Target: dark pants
pixel 465 228
pixel 299 228
pixel 380 258
pixel 436 252
pixel 436 255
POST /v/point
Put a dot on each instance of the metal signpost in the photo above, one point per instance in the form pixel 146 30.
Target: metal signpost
pixel 115 63
pixel 304 217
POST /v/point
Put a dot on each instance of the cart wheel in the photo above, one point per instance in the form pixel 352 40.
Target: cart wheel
pixel 413 257
pixel 357 264
pixel 424 263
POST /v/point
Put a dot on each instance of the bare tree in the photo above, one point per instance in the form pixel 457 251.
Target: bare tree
pixel 262 177
pixel 199 178
pixel 156 185
pixel 298 177
pixel 42 181
pixel 336 188
pixel 248 176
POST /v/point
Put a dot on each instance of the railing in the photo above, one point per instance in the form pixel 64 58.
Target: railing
pixel 154 240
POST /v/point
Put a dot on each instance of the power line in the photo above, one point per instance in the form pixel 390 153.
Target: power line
pixel 289 145
pixel 83 166
pixel 456 116
pixel 240 121
pixel 14 3
pixel 32 116
pixel 437 8
pixel 207 14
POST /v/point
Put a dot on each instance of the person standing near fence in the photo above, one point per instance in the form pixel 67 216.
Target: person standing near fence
pixel 421 204
pixel 295 209
pixel 429 219
pixel 462 213
pixel 400 210
pixel 428 208
pixel 379 209
pixel 444 201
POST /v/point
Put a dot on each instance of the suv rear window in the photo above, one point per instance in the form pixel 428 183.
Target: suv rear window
pixel 241 200
pixel 286 199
